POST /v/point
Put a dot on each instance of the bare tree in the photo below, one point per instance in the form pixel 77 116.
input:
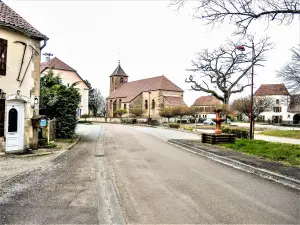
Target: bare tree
pixel 260 105
pixel 223 71
pixel 243 12
pixel 290 73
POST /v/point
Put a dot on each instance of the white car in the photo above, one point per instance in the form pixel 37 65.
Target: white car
pixel 209 122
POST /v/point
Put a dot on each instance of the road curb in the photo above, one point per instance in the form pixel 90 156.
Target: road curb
pixel 278 178
pixel 37 166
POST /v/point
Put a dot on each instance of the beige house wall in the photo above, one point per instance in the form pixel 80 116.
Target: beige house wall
pixel 30 86
pixel 70 77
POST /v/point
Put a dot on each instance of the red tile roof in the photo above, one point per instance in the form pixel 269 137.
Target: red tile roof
pixel 271 89
pixel 207 100
pixel 130 90
pixel 55 63
pixel 175 101
pixel 12 20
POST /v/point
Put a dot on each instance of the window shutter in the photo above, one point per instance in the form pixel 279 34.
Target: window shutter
pixel 3 56
pixel 280 109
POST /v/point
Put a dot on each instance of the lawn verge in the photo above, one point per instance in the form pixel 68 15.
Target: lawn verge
pixel 282 133
pixel 275 171
pixel 287 154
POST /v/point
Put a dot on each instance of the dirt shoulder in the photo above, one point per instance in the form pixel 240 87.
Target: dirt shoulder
pixel 12 165
pixel 289 171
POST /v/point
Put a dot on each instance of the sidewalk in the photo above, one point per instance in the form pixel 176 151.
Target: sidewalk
pixel 258 136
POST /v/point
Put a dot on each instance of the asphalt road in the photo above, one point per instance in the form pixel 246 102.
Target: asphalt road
pixel 156 183
pixel 159 183
pixel 69 190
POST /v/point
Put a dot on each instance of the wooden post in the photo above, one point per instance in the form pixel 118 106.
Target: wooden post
pixel 48 133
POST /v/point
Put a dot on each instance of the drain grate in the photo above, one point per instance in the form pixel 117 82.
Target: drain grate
pixel 101 155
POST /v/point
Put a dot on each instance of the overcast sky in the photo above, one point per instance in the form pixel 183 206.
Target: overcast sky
pixel 148 37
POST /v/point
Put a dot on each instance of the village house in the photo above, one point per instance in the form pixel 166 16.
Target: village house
pixel 20 47
pixel 205 104
pixel 294 108
pixel 281 101
pixel 68 76
pixel 150 94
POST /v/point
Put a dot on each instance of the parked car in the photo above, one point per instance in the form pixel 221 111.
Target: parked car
pixel 229 121
pixel 209 122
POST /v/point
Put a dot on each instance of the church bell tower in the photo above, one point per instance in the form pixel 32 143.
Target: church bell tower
pixel 117 77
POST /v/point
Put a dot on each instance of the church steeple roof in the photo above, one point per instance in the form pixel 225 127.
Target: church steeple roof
pixel 119 71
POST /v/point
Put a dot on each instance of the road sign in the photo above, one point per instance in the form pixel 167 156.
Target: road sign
pixel 43 123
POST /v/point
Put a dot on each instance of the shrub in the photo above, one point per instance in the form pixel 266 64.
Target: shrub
pixel 174 125
pixel 155 123
pixel 238 132
pixel 137 112
pixel 128 121
pixel 189 128
pixel 120 112
pixel 183 121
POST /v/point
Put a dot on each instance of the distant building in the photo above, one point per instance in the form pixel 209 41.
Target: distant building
pixel 205 104
pixel 150 94
pixel 20 48
pixel 281 97
pixel 294 107
pixel 68 76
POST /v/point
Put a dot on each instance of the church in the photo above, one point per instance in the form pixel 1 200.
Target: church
pixel 150 95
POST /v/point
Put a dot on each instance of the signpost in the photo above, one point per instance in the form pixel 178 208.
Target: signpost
pixel 43 123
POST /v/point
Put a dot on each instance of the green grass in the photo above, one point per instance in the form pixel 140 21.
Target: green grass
pixel 283 133
pixel 67 140
pixel 286 153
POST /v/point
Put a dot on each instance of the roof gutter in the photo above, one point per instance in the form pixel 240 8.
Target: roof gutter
pixel 44 44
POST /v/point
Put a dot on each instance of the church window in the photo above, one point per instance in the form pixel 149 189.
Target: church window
pixel 146 104
pixel 153 104
pixel 121 79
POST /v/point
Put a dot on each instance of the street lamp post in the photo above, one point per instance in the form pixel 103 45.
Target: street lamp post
pixel 149 107
pixel 242 48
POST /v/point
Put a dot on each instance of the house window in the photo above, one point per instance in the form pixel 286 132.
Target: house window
pixel 153 104
pixel 289 116
pixel 125 106
pixel 277 101
pixel 277 109
pixel 201 109
pixel 13 120
pixel 3 56
pixel 2 113
pixel 146 104
pixel 120 103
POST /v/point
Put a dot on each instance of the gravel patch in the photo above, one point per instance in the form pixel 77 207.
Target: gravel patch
pixel 12 165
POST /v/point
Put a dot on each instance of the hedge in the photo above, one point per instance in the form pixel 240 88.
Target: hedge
pixel 238 132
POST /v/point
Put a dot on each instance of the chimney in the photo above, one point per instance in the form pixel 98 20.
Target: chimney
pixel 47 56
